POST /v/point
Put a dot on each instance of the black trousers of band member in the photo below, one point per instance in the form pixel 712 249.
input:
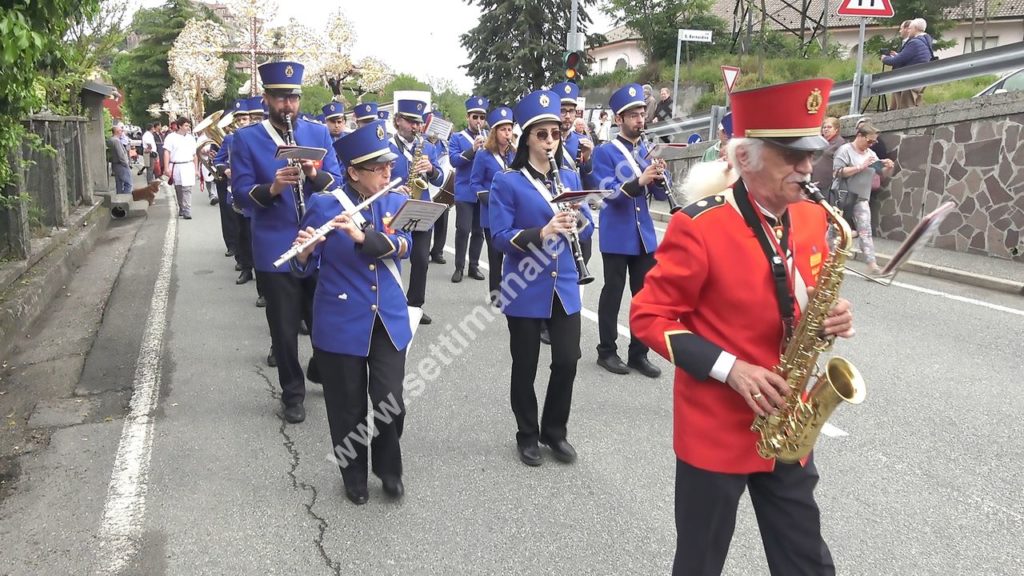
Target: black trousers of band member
pixel 289 300
pixel 494 259
pixel 615 268
pixel 468 232
pixel 587 247
pixel 419 260
pixel 243 245
pixel 787 516
pixel 347 381
pixel 524 338
pixel 228 223
pixel 440 236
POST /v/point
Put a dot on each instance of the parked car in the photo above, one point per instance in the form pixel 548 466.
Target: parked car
pixel 1010 82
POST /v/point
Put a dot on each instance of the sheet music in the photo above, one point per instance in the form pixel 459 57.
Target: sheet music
pixel 440 128
pixel 300 153
pixel 417 215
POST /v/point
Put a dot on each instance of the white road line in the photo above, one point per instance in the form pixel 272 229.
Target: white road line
pixel 832 431
pixel 125 508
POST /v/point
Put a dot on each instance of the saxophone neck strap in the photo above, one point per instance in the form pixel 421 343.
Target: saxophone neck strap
pixel 774 253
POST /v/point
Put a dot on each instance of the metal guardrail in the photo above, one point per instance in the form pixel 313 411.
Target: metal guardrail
pixel 990 61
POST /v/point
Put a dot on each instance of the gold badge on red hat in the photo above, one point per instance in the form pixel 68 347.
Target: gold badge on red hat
pixel 814 101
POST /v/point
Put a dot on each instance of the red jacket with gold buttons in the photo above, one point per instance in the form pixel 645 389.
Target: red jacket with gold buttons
pixel 712 290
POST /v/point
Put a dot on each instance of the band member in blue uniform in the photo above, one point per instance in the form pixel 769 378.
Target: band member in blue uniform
pixel 383 115
pixel 576 150
pixel 539 276
pixel 362 322
pixel 406 143
pixel 494 158
pixel 334 119
pixel 441 224
pixel 228 221
pixel 462 148
pixel 627 239
pixel 268 187
pixel 365 113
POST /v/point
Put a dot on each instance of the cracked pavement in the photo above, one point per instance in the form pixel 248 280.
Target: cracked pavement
pixel 233 489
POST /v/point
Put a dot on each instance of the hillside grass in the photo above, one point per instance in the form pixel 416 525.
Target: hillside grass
pixel 707 72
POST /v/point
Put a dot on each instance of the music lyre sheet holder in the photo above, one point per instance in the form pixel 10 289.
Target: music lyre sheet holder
pixel 581 195
pixel 924 230
pixel 300 153
pixel 417 215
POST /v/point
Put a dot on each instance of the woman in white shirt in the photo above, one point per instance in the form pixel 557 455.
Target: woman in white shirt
pixel 855 164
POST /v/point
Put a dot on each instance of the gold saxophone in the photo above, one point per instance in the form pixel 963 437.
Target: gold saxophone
pixel 417 183
pixel 790 435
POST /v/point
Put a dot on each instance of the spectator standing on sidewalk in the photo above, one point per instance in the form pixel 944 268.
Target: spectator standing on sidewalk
pixel 182 164
pixel 149 152
pixel 822 174
pixel 119 161
pixel 604 126
pixel 916 50
pixel 649 102
pixel 855 163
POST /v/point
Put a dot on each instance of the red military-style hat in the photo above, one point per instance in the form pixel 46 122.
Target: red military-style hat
pixel 787 115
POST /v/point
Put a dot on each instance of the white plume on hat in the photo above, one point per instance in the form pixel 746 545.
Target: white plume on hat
pixel 705 179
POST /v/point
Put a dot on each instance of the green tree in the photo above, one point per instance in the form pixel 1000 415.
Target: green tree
pixel 933 11
pixel 142 74
pixel 656 22
pixel 32 48
pixel 517 45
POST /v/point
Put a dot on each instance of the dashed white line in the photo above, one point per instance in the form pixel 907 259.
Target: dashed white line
pixel 124 511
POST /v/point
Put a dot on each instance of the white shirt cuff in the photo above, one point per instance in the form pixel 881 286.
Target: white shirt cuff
pixel 720 371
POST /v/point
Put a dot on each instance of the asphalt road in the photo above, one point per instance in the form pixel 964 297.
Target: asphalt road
pixel 923 478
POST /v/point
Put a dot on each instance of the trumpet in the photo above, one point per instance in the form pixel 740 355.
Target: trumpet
pixel 574 238
pixel 289 139
pixel 329 225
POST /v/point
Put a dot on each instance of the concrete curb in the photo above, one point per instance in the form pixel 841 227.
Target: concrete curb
pixel 933 270
pixel 26 288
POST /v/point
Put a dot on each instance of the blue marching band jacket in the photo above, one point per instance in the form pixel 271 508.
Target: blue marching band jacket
pixel 462 156
pixel 486 165
pixel 626 224
pixel 275 220
pixel 520 205
pixel 222 162
pixel 357 282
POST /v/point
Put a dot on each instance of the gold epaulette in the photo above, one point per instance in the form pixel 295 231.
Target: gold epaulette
pixel 703 205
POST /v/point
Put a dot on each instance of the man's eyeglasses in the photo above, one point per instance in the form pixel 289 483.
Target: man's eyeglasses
pixel 794 157
pixel 377 168
pixel 544 134
pixel 476 116
pixel 568 110
pixel 285 97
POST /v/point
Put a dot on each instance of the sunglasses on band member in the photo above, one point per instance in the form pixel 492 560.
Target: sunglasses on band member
pixel 543 134
pixel 476 116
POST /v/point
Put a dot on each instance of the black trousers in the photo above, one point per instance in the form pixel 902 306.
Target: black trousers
pixel 615 268
pixel 524 339
pixel 228 223
pixel 587 247
pixel 289 300
pixel 468 231
pixel 347 381
pixel 440 236
pixel 787 516
pixel 494 260
pixel 419 260
pixel 243 246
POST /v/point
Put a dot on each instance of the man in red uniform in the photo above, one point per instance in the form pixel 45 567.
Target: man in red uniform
pixel 718 305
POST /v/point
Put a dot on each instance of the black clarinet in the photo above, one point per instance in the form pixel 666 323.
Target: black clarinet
pixel 574 239
pixel 290 140
pixel 673 206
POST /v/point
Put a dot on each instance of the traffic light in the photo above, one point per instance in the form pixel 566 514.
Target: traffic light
pixel 573 64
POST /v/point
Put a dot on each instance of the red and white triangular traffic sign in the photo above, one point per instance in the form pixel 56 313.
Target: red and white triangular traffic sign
pixel 866 8
pixel 730 74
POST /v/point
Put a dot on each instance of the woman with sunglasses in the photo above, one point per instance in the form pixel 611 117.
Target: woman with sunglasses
pixel 361 319
pixel 495 158
pixel 463 148
pixel 855 164
pixel 539 278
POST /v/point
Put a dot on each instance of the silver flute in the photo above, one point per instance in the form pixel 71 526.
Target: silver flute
pixel 329 225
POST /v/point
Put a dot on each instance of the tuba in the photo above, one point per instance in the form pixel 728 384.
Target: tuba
pixel 790 435
pixel 209 131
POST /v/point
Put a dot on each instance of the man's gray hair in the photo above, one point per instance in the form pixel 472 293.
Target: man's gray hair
pixel 919 24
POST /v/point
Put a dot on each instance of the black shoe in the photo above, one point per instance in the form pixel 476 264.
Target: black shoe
pixel 562 450
pixel 457 276
pixel 261 302
pixel 238 267
pixel 424 320
pixel 475 274
pixel 245 276
pixel 644 366
pixel 229 253
pixel 358 494
pixel 295 413
pixel 303 328
pixel 214 201
pixel 271 359
pixel 313 372
pixel 187 216
pixel 530 455
pixel 613 364
pixel 438 259
pixel 393 487
pixel 545 336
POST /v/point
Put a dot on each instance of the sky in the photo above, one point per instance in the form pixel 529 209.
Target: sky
pixel 432 50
